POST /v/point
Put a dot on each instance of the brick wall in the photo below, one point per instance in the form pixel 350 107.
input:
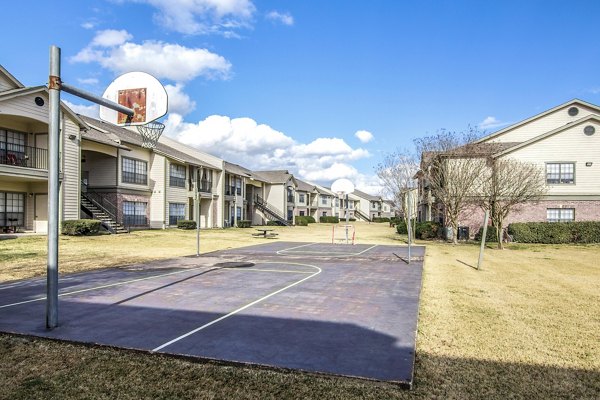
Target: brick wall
pixel 533 212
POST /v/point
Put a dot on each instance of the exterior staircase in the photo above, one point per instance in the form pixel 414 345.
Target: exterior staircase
pixel 99 208
pixel 270 211
pixel 362 215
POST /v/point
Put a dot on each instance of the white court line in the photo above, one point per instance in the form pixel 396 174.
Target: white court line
pixel 283 271
pixel 138 280
pixel 319 254
pixel 103 286
pixel 162 346
pixel 296 247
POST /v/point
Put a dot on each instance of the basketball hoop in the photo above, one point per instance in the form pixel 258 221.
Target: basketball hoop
pixel 150 133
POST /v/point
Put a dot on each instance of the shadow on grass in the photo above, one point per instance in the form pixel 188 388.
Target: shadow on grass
pixel 467 264
pixel 447 377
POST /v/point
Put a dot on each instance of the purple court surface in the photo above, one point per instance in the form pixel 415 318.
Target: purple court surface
pixel 337 309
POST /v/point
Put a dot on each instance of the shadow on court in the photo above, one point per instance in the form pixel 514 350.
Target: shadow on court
pixel 344 310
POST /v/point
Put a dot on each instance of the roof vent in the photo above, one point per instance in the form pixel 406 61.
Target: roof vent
pixel 573 111
pixel 589 130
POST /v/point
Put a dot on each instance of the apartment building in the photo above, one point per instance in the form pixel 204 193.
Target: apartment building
pixel 564 142
pixel 24 157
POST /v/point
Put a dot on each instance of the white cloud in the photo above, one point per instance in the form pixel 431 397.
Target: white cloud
pixel 284 18
pixel 92 110
pixel 88 25
pixel 261 147
pixel 110 38
pixel 364 136
pixel 200 17
pixel 163 60
pixel 594 90
pixel 490 123
pixel 87 81
pixel 179 102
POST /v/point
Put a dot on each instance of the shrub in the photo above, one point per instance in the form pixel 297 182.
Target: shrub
pixel 381 219
pixel 555 232
pixel 79 227
pixel 244 223
pixel 427 230
pixel 490 236
pixel 304 220
pixel 301 222
pixel 401 228
pixel 329 219
pixel 186 224
pixel 273 223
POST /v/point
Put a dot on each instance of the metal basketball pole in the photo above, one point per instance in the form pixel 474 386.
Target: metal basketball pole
pixel 409 211
pixel 53 188
pixel 54 87
pixel 347 218
pixel 197 207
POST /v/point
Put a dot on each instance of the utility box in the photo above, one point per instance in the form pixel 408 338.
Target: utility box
pixel 463 233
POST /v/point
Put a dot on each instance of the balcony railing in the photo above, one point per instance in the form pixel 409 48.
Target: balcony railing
pixel 205 186
pixel 23 156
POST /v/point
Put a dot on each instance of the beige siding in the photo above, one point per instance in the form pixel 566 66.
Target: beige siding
pixel 70 163
pixel 275 195
pixel 6 84
pixel 156 177
pixel 571 145
pixel 175 194
pixel 544 124
pixel 25 106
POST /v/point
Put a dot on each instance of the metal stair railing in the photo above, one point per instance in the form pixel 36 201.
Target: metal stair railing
pixel 272 211
pixel 361 214
pixel 104 205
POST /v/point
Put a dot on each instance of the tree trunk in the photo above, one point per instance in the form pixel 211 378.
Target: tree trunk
pixel 499 230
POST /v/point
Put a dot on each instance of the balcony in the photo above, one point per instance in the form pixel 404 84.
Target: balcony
pixel 205 186
pixel 23 156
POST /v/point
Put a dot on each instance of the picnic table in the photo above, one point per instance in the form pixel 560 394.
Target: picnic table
pixel 265 233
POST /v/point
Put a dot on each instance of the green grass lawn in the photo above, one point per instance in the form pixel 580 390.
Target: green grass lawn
pixel 526 326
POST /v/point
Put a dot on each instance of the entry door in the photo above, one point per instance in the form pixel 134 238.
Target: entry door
pixel 41 213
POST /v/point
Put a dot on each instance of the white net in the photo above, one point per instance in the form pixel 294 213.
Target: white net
pixel 150 133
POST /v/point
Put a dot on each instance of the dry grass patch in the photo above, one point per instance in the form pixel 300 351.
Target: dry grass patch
pixel 526 326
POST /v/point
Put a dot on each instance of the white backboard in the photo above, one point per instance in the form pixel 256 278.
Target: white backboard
pixel 137 90
pixel 342 187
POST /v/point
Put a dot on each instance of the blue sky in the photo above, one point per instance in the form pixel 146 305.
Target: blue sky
pixel 288 84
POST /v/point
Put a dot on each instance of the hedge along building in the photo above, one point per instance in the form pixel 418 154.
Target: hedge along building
pixel 564 143
pixel 24 157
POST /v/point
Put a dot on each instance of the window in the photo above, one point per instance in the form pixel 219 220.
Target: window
pixel 12 209
pixel 557 173
pixel 176 212
pixel 560 214
pixel 324 213
pixel 301 197
pixel 12 147
pixel 238 213
pixel 134 171
pixel 238 186
pixel 302 213
pixel 177 175
pixel 134 213
pixel 324 200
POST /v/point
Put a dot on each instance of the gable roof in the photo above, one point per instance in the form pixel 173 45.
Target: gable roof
pixel 538 116
pixel 23 91
pixel 304 186
pixel 543 136
pixel 121 134
pixel 236 169
pixel 277 176
pixel 365 196
pixel 10 77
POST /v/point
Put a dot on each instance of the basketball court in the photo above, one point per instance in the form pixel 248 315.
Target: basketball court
pixel 337 309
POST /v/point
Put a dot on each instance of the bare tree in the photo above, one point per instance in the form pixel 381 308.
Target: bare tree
pixel 451 170
pixel 397 172
pixel 454 181
pixel 509 184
